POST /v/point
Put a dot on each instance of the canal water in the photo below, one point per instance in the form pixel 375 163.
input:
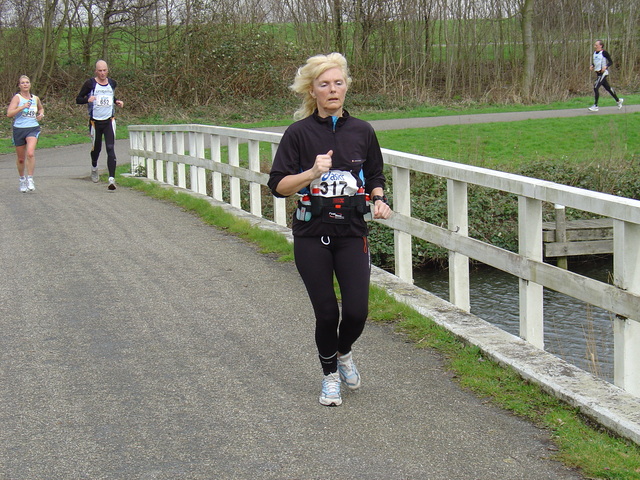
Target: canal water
pixel 575 331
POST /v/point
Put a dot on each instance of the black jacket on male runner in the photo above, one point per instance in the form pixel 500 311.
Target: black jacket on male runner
pixel 355 149
pixel 87 90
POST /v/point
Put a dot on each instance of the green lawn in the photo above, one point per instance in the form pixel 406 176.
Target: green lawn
pixel 600 138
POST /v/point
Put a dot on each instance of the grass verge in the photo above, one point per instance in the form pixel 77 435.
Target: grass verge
pixel 580 444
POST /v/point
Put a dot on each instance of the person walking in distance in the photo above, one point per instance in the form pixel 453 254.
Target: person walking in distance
pixel 26 110
pixel 99 95
pixel 600 64
pixel 332 160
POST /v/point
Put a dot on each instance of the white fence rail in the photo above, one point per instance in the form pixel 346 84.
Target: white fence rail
pixel 166 151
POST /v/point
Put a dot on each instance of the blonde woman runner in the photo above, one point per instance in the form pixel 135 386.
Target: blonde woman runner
pixel 26 110
pixel 332 160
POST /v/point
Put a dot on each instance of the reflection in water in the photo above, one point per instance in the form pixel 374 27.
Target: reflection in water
pixel 575 331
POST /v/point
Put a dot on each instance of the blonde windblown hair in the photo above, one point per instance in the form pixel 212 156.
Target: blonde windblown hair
pixel 303 82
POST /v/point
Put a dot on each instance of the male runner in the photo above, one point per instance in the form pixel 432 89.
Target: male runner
pixel 99 95
pixel 600 65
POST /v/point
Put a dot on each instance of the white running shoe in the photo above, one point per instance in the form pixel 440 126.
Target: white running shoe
pixel 30 185
pixel 95 177
pixel 23 184
pixel 348 371
pixel 330 395
pixel 619 103
pixel 112 183
pixel 594 108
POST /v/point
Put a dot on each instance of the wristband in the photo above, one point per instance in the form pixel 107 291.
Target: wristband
pixel 375 198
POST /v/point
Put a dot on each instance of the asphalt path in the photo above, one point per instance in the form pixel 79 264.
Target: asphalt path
pixel 499 117
pixel 422 122
pixel 138 343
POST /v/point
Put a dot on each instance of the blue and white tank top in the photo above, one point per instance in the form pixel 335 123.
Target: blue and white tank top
pixel 26 118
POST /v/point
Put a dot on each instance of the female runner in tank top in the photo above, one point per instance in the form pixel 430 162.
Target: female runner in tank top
pixel 332 160
pixel 26 110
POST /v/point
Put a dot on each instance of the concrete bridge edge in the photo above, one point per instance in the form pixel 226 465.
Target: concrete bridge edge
pixel 599 400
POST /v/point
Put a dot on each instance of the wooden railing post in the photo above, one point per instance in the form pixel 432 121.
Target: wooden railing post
pixel 402 241
pixel 279 204
pixel 134 141
pixel 201 171
pixel 216 177
pixel 255 191
pixel 149 162
pixel 182 169
pixel 561 233
pixel 159 147
pixel 458 221
pixel 626 331
pixel 234 182
pixel 531 294
pixel 193 170
pixel 168 137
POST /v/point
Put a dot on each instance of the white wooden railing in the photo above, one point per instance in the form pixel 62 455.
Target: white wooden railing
pixel 165 152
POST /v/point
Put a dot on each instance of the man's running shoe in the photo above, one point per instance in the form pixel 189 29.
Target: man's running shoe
pixel 30 185
pixel 594 108
pixel 619 103
pixel 95 177
pixel 348 371
pixel 112 183
pixel 330 395
pixel 23 184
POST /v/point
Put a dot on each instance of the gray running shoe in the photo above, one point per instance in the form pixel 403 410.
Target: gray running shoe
pixel 330 396
pixel 348 371
pixel 30 185
pixel 594 108
pixel 23 185
pixel 112 183
pixel 95 177
pixel 619 103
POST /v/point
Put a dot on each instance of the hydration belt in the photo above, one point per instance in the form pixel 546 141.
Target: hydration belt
pixel 331 209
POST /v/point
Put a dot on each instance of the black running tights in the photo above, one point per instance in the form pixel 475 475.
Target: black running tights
pixel 602 81
pixel 108 129
pixel 317 260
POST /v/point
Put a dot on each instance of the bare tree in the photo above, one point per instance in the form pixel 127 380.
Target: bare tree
pixel 528 47
pixel 54 22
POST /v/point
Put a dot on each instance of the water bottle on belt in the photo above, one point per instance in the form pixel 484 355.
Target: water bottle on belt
pixel 303 212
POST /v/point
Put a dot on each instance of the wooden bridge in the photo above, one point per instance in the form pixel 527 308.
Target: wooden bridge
pixel 191 157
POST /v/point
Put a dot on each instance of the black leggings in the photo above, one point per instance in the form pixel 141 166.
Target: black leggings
pixel 317 259
pixel 602 81
pixel 107 128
